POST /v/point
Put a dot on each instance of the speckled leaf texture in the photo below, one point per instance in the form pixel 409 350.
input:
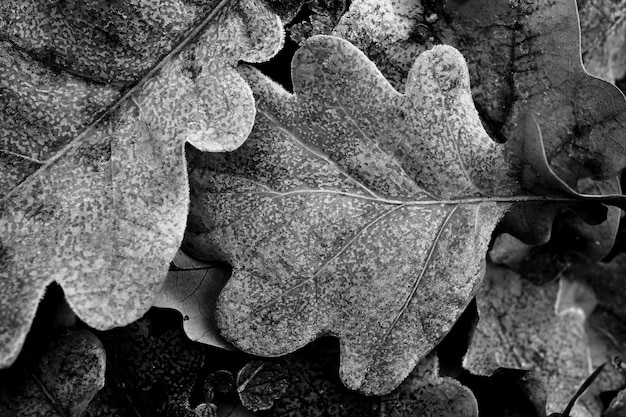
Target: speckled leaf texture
pixel 524 57
pixel 92 167
pixel 61 383
pixel 352 210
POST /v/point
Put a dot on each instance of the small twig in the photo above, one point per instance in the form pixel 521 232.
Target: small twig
pixel 582 390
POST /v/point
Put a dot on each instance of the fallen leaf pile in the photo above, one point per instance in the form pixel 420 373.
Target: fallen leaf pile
pixel 357 200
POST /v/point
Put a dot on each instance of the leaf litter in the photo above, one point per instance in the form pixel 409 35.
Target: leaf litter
pixel 345 206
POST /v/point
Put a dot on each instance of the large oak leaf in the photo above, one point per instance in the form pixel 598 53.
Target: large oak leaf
pixel 523 58
pixel 352 210
pixel 96 199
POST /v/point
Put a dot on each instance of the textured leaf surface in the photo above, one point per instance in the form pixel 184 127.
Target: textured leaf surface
pixel 425 393
pixel 523 58
pixel 260 383
pixel 192 287
pixel 603 38
pixel 518 328
pixel 62 383
pixel 352 210
pixel 105 214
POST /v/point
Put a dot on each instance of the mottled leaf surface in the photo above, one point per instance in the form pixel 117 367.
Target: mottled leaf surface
pixel 425 393
pixel 105 213
pixel 352 210
pixel 63 381
pixel 519 328
pixel 523 58
pixel 260 383
pixel 192 287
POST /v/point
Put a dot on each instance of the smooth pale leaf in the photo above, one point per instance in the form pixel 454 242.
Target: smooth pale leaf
pixel 260 383
pixel 518 328
pixel 62 383
pixel 352 210
pixel 105 214
pixel 192 287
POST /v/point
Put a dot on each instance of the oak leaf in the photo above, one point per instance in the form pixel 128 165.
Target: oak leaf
pixel 523 58
pixel 95 197
pixel 352 210
pixel 260 383
pixel 519 328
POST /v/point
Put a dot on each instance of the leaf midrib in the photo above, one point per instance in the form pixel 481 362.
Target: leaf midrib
pixel 190 37
pixel 457 201
pixel 376 196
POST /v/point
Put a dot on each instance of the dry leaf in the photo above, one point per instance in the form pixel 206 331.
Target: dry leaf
pixel 192 287
pixel 105 212
pixel 151 369
pixel 62 383
pixel 425 393
pixel 345 208
pixel 523 58
pixel 518 328
pixel 260 383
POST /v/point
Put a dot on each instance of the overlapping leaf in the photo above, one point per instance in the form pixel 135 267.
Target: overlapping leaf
pixel 352 210
pixel 523 58
pixel 192 287
pixel 104 213
pixel 518 328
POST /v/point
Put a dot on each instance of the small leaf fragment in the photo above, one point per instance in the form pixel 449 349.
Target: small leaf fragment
pixel 424 393
pixel 192 287
pixel 62 383
pixel 518 328
pixel 260 383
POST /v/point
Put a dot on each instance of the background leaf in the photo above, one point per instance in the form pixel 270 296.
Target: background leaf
pixel 260 383
pixel 61 384
pixel 518 328
pixel 192 287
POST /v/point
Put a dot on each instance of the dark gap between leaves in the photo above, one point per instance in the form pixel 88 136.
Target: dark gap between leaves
pixel 279 67
pixel 454 345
